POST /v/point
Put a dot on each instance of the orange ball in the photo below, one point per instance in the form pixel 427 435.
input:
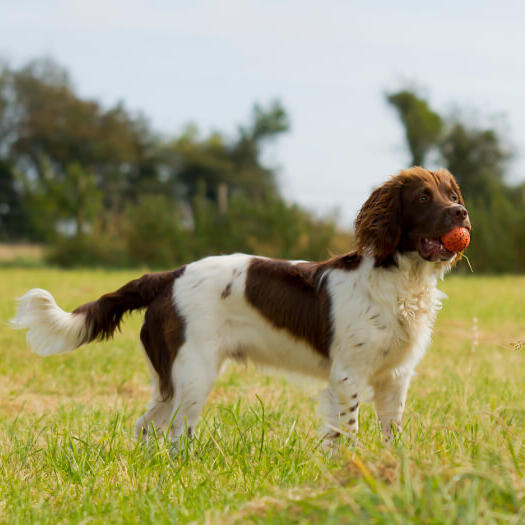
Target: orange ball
pixel 456 240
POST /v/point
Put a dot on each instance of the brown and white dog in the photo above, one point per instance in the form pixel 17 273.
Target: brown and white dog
pixel 360 321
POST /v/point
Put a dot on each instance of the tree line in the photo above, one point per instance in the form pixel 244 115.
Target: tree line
pixel 99 186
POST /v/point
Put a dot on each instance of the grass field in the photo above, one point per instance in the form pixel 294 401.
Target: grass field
pixel 67 452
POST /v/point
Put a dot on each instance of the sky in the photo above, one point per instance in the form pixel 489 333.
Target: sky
pixel 330 63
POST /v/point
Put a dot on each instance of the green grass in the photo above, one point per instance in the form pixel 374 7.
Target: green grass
pixel 67 452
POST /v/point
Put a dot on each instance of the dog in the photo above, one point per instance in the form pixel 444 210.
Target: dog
pixel 361 321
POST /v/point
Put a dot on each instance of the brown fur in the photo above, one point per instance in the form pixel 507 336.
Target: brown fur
pixel 162 334
pixel 378 224
pixel 103 316
pixel 294 296
pixel 163 330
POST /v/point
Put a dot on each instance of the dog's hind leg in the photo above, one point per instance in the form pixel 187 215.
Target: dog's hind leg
pixel 158 414
pixel 195 370
pixel 162 335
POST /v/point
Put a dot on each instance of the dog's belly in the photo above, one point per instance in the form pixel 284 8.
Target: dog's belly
pixel 257 340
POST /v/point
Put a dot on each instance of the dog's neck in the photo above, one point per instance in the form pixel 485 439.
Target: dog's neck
pixel 411 288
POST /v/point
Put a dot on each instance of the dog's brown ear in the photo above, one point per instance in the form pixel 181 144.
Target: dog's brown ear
pixel 378 224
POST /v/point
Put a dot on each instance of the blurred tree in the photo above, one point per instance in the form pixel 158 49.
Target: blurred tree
pixel 47 123
pixel 423 126
pixel 153 233
pixel 14 222
pixel 67 203
pixel 477 158
pixel 191 160
pixel 266 125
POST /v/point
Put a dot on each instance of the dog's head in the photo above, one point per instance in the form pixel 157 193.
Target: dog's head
pixel 410 213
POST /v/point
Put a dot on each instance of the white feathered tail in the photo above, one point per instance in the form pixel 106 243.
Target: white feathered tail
pixel 50 329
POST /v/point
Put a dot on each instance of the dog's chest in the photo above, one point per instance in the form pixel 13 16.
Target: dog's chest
pixel 384 323
pixel 416 311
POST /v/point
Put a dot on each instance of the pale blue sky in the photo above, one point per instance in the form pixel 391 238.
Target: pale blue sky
pixel 329 62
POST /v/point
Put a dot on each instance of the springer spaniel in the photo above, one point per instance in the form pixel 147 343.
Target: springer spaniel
pixel 359 320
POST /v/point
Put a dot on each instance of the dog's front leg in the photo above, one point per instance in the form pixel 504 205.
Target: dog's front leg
pixel 340 404
pixel 390 393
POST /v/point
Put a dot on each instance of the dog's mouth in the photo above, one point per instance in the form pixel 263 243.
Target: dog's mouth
pixel 432 249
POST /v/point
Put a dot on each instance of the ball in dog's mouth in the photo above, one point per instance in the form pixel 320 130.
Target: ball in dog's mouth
pixel 445 247
pixel 456 240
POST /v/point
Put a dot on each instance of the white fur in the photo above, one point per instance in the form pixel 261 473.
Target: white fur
pixel 50 329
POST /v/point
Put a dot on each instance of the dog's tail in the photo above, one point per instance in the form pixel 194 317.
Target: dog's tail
pixel 51 330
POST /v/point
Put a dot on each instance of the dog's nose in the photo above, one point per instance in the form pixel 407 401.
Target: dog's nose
pixel 460 214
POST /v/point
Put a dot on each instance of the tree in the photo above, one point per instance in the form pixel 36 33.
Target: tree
pixel 423 126
pixel 191 161
pixel 14 222
pixel 47 123
pixel 477 158
pixel 67 203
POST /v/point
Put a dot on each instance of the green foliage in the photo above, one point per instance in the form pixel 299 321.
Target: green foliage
pixel 498 236
pixel 477 157
pixel 422 125
pixel 98 249
pixel 71 201
pixel 14 219
pixel 275 228
pixel 153 234
pixel 190 161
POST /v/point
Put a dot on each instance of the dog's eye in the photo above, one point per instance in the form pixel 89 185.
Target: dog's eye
pixel 424 198
pixel 454 197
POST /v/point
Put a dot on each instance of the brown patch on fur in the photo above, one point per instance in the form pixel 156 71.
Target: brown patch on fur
pixel 103 316
pixel 163 331
pixel 162 334
pixel 294 297
pixel 347 262
pixel 227 291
